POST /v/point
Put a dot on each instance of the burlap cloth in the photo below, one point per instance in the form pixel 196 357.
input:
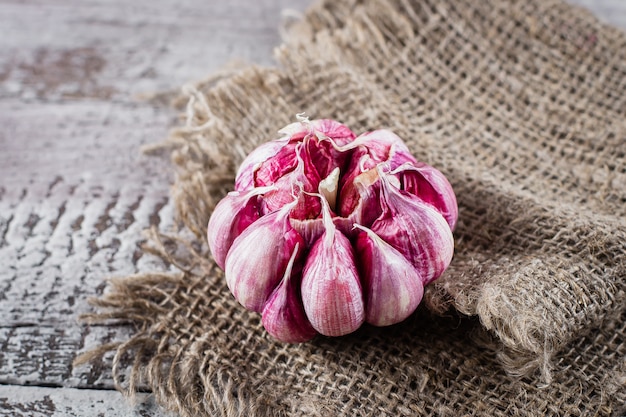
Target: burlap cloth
pixel 522 105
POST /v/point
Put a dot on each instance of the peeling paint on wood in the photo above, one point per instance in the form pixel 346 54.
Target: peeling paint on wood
pixel 75 193
pixel 77 216
pixel 43 355
pixel 117 49
pixel 18 401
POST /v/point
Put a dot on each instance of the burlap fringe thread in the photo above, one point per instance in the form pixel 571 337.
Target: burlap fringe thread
pixel 521 105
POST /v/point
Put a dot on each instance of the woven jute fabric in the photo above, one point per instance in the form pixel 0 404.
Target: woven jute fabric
pixel 521 104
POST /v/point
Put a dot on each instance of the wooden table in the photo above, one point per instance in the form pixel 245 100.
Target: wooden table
pixel 77 101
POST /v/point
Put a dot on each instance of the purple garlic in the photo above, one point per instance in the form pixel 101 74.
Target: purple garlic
pixel 327 230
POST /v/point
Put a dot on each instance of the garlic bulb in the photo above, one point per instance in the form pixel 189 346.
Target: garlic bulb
pixel 326 230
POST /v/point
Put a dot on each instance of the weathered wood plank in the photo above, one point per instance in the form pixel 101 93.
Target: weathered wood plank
pixel 115 49
pixel 78 215
pixel 43 355
pixel 16 401
pixel 74 191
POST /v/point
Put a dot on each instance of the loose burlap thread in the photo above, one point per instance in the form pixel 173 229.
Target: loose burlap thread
pixel 521 104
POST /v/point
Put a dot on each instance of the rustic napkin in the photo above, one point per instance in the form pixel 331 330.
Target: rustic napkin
pixel 521 104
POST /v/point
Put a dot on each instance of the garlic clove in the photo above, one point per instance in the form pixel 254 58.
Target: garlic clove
pixel 430 185
pixel 259 256
pixel 392 287
pixel 349 194
pixel 245 177
pixel 230 217
pixel 323 156
pixel 415 229
pixel 283 315
pixel 370 150
pixel 385 146
pixel 359 200
pixel 337 132
pixel 283 163
pixel 329 187
pixel 307 207
pixel 305 178
pixel 331 290
pixel 324 137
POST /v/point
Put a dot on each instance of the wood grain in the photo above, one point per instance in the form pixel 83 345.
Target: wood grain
pixel 75 191
pixel 42 355
pixel 16 401
pixel 76 216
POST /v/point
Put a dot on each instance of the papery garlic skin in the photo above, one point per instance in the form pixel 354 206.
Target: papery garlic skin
pixel 245 178
pixel 231 216
pixel 259 256
pixel 415 229
pixel 327 230
pixel 331 287
pixel 392 286
pixel 304 177
pixel 283 315
pixel 432 187
pixel 273 159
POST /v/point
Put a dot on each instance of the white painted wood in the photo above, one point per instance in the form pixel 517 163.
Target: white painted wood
pixel 76 197
pixel 609 11
pixel 43 355
pixel 17 401
pixel 85 49
pixel 75 192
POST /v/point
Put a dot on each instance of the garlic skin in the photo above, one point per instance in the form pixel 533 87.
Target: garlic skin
pixel 304 177
pixel 273 159
pixel 392 286
pixel 283 315
pixel 331 287
pixel 231 216
pixel 415 229
pixel 259 257
pixel 432 187
pixel 327 230
pixel 245 178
